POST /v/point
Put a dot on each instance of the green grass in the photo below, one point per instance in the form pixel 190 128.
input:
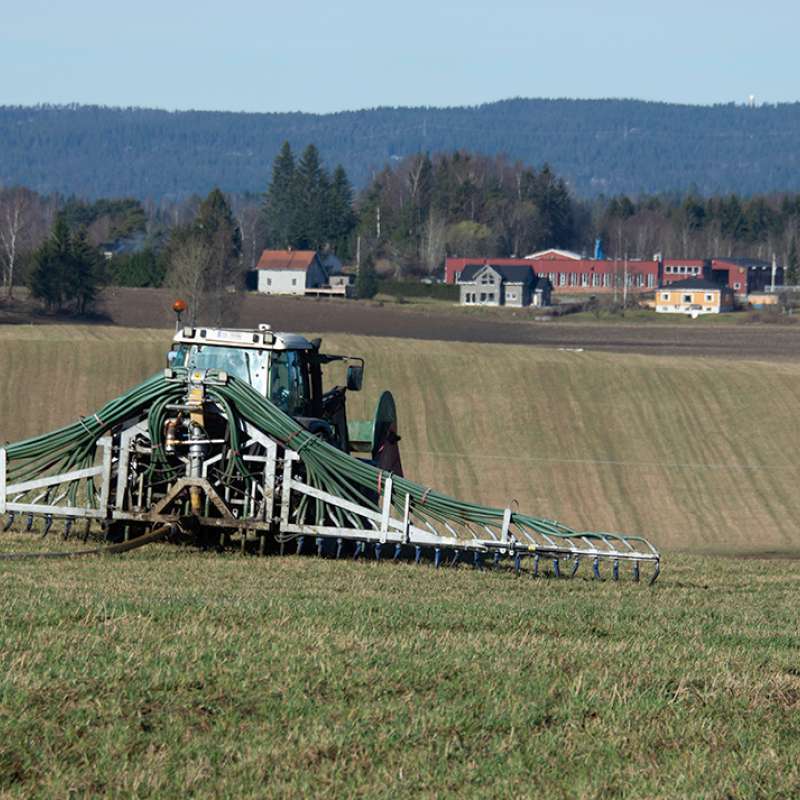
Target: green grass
pixel 171 673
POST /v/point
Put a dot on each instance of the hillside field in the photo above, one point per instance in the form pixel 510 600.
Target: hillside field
pixel 172 673
pixel 696 454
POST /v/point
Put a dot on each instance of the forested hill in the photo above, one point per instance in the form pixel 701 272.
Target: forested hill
pixel 599 146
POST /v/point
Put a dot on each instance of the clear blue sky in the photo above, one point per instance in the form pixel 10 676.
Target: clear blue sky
pixel 260 55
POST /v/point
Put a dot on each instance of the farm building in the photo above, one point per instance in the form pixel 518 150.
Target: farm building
pixel 502 285
pixel 746 275
pixel 694 296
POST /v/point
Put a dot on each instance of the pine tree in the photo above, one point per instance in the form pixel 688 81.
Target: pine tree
pixel 312 190
pixel 67 270
pixel 339 214
pixel 214 225
pixel 50 277
pixel 280 203
pixel 86 273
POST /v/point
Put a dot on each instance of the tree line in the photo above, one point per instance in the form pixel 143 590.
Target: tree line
pixel 412 214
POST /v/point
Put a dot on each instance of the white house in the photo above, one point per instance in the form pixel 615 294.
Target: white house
pixel 289 272
pixel 492 285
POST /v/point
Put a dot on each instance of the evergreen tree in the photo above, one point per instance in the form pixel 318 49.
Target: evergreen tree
pixel 49 280
pixel 216 227
pixel 67 270
pixel 86 273
pixel 340 217
pixel 281 203
pixel 367 280
pixel 312 193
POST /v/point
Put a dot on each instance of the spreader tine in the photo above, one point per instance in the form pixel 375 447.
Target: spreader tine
pixel 556 568
pixel 377 551
pixel 437 557
pixel 656 573
pixel 456 556
pixel 87 530
pixel 615 570
pixel 300 543
pixel 67 528
pixel 517 563
pixel 320 546
pixel 417 554
pixel 398 549
pixel 29 523
pixel 48 523
pixel 636 572
pixel 596 569
pixel 575 566
pixel 536 566
pixel 339 547
pixel 477 560
pixel 9 521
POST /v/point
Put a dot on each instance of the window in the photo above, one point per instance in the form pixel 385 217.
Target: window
pixel 562 279
pixel 650 281
pixel 511 295
pixel 483 297
pixel 665 295
pixel 269 281
pixel 606 280
pixel 288 383
pixel 709 298
pixel 668 270
pixel 584 279
pixel 595 279
pixel 687 298
pixel 737 285
pixel 294 281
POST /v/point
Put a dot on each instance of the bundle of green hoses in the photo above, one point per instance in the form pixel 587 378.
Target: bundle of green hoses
pixel 326 468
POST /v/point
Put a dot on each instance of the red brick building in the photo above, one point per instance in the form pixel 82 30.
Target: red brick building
pixel 681 269
pixel 574 275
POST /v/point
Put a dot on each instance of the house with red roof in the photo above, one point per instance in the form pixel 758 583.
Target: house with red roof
pixel 290 272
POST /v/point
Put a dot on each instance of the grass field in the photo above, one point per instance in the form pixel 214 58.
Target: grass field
pixel 175 673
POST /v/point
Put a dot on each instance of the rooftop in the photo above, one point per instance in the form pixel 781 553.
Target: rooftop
pixel 296 260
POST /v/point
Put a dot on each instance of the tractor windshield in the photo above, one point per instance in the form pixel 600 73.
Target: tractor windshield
pixel 247 365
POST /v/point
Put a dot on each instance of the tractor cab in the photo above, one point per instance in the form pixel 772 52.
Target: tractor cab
pixel 286 368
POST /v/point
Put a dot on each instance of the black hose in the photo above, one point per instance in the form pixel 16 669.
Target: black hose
pixel 108 550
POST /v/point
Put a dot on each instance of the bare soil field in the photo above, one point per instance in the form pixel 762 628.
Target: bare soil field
pixel 150 308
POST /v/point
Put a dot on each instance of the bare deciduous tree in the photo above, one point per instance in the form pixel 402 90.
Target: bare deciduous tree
pixel 188 273
pixel 16 206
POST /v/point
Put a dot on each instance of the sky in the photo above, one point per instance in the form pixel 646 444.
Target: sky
pixel 250 55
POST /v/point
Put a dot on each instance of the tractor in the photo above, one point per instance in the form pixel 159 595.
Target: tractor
pixel 237 443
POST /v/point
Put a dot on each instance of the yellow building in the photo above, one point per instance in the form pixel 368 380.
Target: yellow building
pixel 694 297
